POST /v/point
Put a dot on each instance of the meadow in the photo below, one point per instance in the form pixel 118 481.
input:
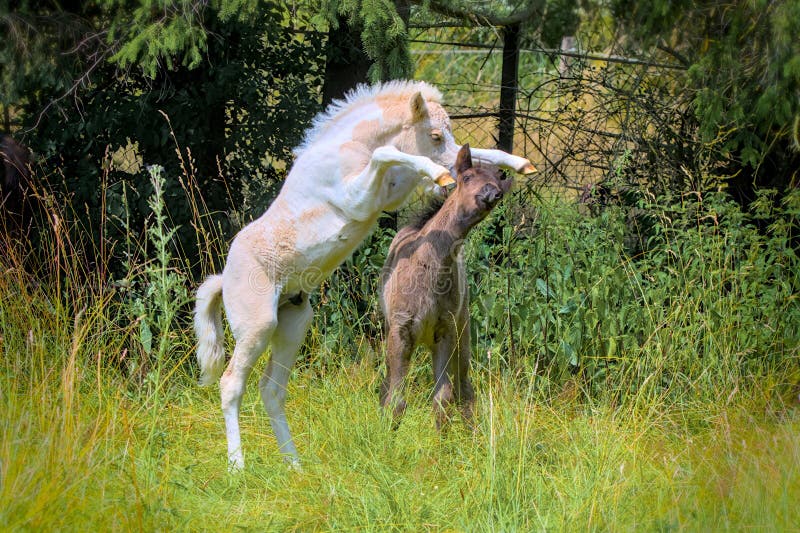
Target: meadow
pixel 635 370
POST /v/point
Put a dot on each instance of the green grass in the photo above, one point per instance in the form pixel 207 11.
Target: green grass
pixel 84 448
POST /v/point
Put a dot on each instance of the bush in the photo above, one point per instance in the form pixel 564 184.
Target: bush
pixel 711 300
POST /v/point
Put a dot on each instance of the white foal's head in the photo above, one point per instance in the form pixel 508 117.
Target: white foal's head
pixel 427 132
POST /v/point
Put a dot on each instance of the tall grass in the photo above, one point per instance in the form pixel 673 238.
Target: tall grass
pixel 620 387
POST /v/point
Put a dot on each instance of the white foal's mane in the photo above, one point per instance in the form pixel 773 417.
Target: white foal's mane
pixel 364 94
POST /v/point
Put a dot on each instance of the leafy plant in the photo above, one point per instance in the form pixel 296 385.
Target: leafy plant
pixel 154 292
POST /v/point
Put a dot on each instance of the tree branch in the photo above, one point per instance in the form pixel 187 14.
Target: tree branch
pixel 485 18
pixel 84 78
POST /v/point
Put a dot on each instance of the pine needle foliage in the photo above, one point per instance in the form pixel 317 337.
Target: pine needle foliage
pixel 383 33
pixel 153 34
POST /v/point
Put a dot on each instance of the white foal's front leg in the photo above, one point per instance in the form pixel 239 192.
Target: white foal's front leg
pixel 367 193
pixel 503 160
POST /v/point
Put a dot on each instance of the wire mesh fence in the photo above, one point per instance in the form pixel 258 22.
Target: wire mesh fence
pixel 582 118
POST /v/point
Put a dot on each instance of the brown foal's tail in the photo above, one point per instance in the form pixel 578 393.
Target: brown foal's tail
pixel 208 328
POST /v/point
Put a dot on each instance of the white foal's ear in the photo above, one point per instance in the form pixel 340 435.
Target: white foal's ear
pixel 419 110
pixel 463 159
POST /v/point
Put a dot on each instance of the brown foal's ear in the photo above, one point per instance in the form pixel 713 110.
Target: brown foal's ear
pixel 419 109
pixel 463 160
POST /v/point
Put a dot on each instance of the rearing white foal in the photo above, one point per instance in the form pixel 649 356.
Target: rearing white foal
pixel 363 156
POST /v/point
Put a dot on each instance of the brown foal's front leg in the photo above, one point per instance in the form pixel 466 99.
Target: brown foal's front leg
pixel 398 356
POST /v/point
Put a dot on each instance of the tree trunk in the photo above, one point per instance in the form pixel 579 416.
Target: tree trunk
pixel 346 65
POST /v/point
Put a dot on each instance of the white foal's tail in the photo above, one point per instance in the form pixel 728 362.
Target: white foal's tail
pixel 208 327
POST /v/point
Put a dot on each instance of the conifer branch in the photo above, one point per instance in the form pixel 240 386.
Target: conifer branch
pixel 486 18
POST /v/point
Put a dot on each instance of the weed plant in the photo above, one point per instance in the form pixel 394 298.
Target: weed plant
pixel 620 387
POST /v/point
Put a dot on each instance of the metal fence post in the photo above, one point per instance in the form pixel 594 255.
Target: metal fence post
pixel 508 88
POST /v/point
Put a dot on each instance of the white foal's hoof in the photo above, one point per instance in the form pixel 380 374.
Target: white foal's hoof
pixel 235 463
pixel 527 169
pixel 293 463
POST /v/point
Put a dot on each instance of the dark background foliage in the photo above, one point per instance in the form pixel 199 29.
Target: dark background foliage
pixel 225 125
pixel 235 83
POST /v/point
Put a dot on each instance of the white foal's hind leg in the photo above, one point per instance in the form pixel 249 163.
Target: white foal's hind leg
pixel 232 385
pixel 253 320
pixel 293 321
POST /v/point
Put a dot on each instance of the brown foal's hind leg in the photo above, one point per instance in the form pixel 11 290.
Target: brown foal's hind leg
pixel 464 392
pixel 443 387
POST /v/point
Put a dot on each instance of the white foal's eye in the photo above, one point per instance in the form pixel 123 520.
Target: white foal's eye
pixel 436 136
